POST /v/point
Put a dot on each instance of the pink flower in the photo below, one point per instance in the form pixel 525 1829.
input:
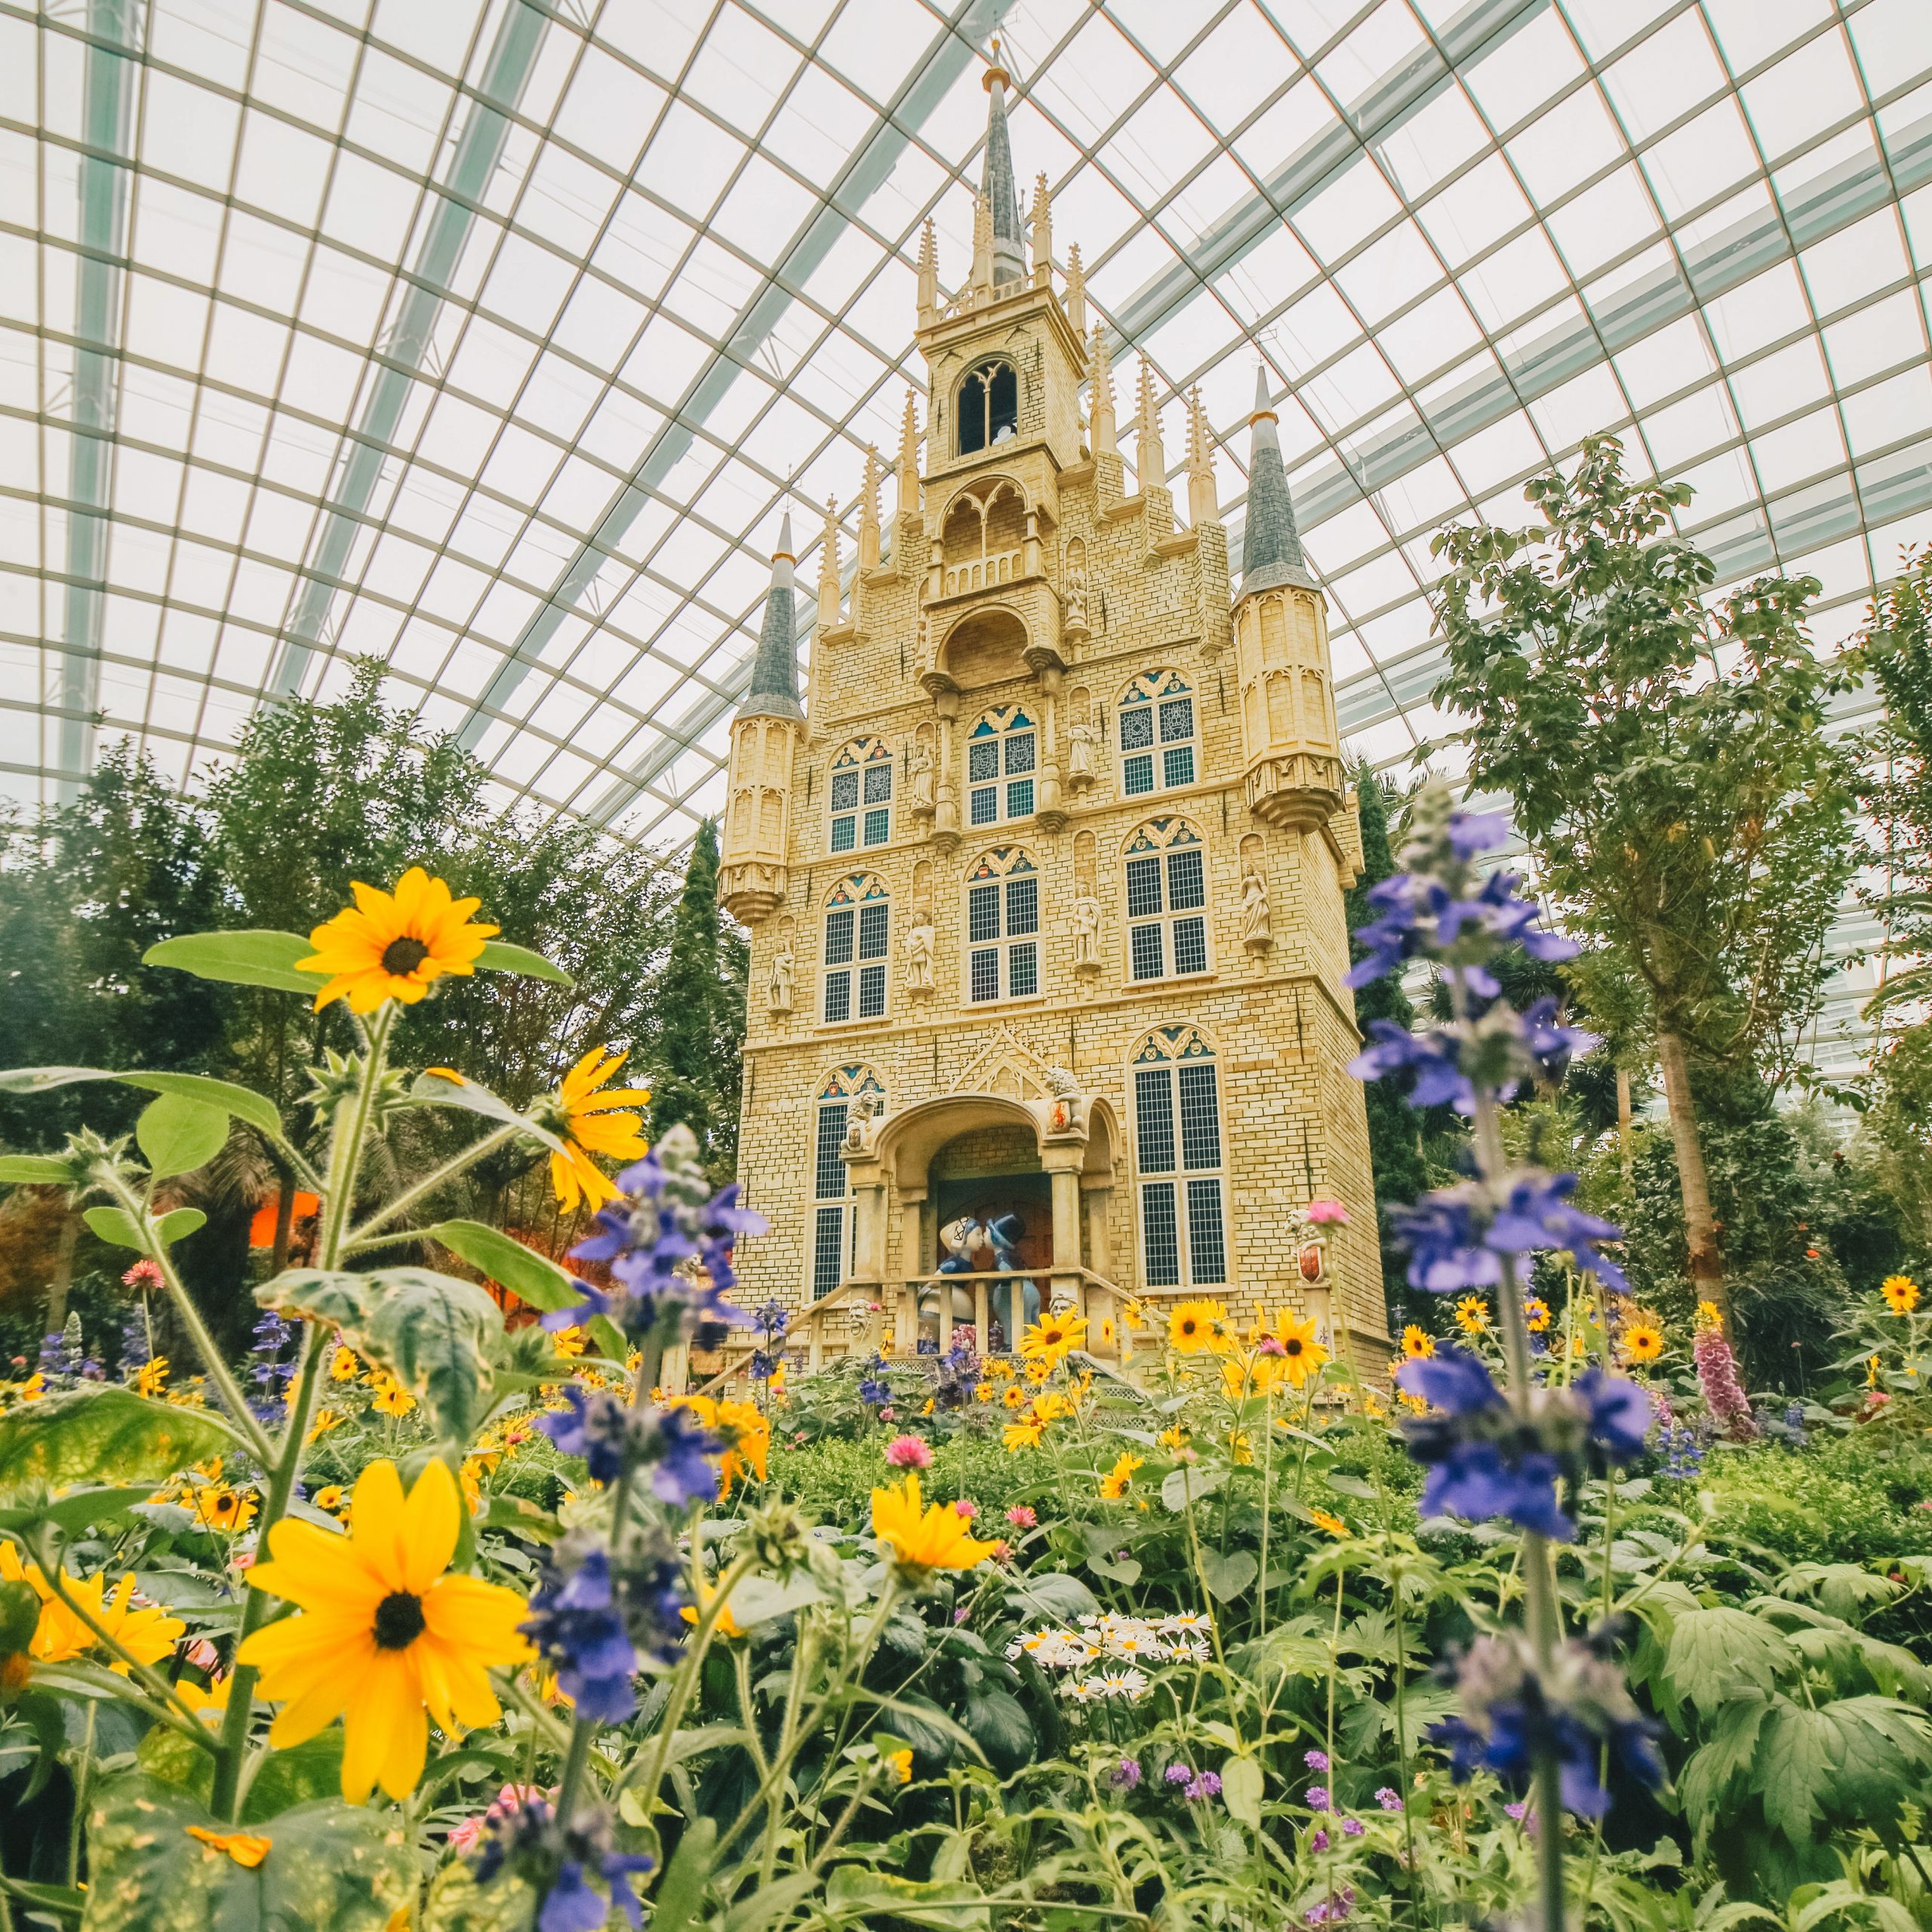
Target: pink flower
pixel 965 1506
pixel 1022 1518
pixel 1325 1213
pixel 511 1797
pixel 143 1275
pixel 463 1837
pixel 909 1452
pixel 1724 1393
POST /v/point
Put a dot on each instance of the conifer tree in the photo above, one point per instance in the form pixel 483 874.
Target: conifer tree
pixel 701 1016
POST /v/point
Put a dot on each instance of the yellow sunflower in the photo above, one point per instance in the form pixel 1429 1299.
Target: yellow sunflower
pixel 151 1378
pixel 1113 1484
pixel 982 1391
pixel 1251 1373
pixel 387 1638
pixel 1901 1293
pixel 391 1397
pixel 1001 1368
pixel 1418 1344
pixel 1643 1339
pixel 1175 1436
pixel 224 1510
pixel 899 1763
pixel 1333 1524
pixel 1014 1396
pixel 385 947
pixel 588 1118
pixel 747 1434
pixel 1195 1325
pixel 1536 1315
pixel 146 1631
pixel 326 1418
pixel 344 1364
pixel 1473 1315
pixel 922 1537
pixel 1023 1432
pixel 1302 1354
pixel 1053 1336
pixel 1707 1316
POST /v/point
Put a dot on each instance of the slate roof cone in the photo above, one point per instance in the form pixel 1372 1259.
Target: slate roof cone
pixel 1270 546
pixel 997 183
pixel 774 686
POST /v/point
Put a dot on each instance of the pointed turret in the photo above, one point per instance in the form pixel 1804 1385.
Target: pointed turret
pixel 1270 546
pixel 996 184
pixel 774 685
pixel 1203 503
pixel 982 276
pixel 1040 218
pixel 1075 300
pixel 908 465
pixel 1150 460
pixel 928 274
pixel 828 569
pixel 1104 432
pixel 868 513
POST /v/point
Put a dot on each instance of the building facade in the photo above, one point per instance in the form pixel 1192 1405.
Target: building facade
pixel 1044 874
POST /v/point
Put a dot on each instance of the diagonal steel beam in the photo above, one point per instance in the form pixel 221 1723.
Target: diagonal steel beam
pixel 107 114
pixel 478 149
pixel 869 166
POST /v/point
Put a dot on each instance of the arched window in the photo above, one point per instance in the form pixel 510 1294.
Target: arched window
pixel 1177 1153
pixel 1167 900
pixel 862 795
pixel 1002 753
pixel 1002 927
pixel 831 1188
pixel 858 941
pixel 1157 734
pixel 988 406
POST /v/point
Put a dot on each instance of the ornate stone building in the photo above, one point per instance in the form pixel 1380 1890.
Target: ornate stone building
pixel 1044 875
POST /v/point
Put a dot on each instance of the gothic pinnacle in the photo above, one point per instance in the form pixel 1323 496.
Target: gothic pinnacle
pixel 828 568
pixel 1203 498
pixel 1150 461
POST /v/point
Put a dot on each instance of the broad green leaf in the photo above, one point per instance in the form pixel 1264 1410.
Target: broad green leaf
pixel 104 1434
pixel 756 1598
pixel 431 1332
pixel 1000 1727
pixel 1707 1779
pixel 500 956
pixel 678 1896
pixel 20 1611
pixel 1795 1762
pixel 242 958
pixel 1228 1577
pixel 609 1338
pixel 81 1511
pixel 177 1224
pixel 1190 1483
pixel 176 1135
pixel 531 1276
pixel 1241 1790
pixel 113 1226
pixel 862 1895
pixel 435 1089
pixel 242 1102
pixel 1715 1653
pixel 34 1170
pixel 331 1867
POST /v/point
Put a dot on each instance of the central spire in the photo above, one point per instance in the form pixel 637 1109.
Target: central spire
pixel 774 685
pixel 997 184
pixel 1270 546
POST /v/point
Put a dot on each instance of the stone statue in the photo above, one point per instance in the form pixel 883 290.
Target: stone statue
pixel 920 776
pixel 1086 933
pixel 858 1120
pixel 1076 600
pixel 1083 753
pixel 1257 928
pixel 1064 1084
pixel 919 940
pixel 784 976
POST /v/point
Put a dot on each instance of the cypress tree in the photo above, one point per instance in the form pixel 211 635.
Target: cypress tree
pixel 1394 1144
pixel 688 1084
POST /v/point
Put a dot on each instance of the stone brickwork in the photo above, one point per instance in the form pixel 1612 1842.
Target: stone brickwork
pixel 1021 592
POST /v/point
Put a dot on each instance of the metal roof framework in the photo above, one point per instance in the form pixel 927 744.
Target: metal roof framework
pixel 490 336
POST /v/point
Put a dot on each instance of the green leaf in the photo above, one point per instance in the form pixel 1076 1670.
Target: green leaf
pixel 240 958
pixel 114 1226
pixel 1794 1761
pixel 1188 1483
pixel 434 1090
pixel 431 1332
pixel 331 1867
pixel 1713 1654
pixel 34 1170
pixel 1707 1779
pixel 678 1897
pixel 1051 1596
pixel 1241 1791
pixel 500 956
pixel 863 1894
pixel 532 1277
pixel 296 1774
pixel 176 1135
pixel 1228 1577
pixel 104 1434
pixel 81 1511
pixel 757 1598
pixel 1000 1727
pixel 243 1103
pixel 177 1224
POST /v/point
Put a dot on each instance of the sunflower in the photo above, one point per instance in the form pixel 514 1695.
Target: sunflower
pixel 1418 1344
pixel 1335 1528
pixel 394 948
pixel 1113 1484
pixel 1255 1372
pixel 723 1625
pixel 1473 1315
pixel 1195 1325
pixel 326 1418
pixel 1643 1339
pixel 568 1341
pixel 982 1391
pixel 1901 1293
pixel 391 1397
pixel 224 1510
pixel 1014 1397
pixel 384 1631
pixel 1000 1369
pixel 747 1435
pixel 1707 1316
pixel 1175 1436
pixel 332 1496
pixel 921 1537
pixel 588 1122
pixel 344 1364
pixel 151 1378
pixel 1053 1336
pixel 146 1631
pixel 1536 1315
pixel 1302 1354
pixel 1023 1432
pixel 899 1763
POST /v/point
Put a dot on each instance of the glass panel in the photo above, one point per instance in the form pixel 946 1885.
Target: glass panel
pixel 1176 719
pixel 984 967
pixel 1190 946
pixel 1154 1120
pixel 1136 727
pixel 1147 951
pixel 1207 1250
pixel 878 784
pixel 1019 752
pixel 829 1170
pixel 983 913
pixel 873 924
pixel 844 834
pixel 1185 887
pixel 1144 887
pixel 1200 1115
pixel 1023 970
pixel 828 1243
pixel 1161 1236
pixel 1178 765
pixel 1022 906
pixel 844 791
pixel 1138 775
pixel 1020 798
pixel 838 997
pixel 839 938
pixel 879 825
pixel 985 805
pixel 872 991
pixel 982 759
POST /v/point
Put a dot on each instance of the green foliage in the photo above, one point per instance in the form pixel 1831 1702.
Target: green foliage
pixel 104 1435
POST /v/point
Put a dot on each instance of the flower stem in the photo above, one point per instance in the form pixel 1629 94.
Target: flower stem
pixel 365 1236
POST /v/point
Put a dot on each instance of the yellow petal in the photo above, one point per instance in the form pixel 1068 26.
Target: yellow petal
pixel 377 1513
pixel 430 1519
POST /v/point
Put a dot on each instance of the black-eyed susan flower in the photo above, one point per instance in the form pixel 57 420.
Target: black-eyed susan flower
pixel 922 1537
pixel 344 1364
pixel 1325 1520
pixel 395 946
pixel 1302 1354
pixel 1901 1293
pixel 1643 1339
pixel 225 1511
pixel 151 1378
pixel 1113 1484
pixel 1053 1336
pixel 591 1119
pixel 1195 1325
pixel 144 1630
pixel 1473 1315
pixel 1536 1314
pixel 387 1638
pixel 1418 1344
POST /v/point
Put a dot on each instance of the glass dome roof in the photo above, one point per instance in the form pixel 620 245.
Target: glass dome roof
pixel 490 338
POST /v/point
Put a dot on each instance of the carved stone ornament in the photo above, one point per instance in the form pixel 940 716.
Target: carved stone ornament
pixel 860 1127
pixel 1086 933
pixel 1257 925
pixel 920 940
pixel 779 984
pixel 920 780
pixel 1083 753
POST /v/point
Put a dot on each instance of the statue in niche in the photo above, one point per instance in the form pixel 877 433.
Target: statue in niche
pixel 919 942
pixel 783 977
pixel 919 777
pixel 1064 1084
pixel 858 1122
pixel 1083 757
pixel 1076 600
pixel 1086 933
pixel 1257 926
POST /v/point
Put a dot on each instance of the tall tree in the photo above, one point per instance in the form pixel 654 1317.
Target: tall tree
pixel 1669 769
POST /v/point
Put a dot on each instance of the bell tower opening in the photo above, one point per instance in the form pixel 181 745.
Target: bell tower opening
pixel 989 407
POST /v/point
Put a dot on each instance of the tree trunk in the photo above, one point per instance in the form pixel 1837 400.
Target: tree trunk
pixel 1623 1138
pixel 62 1277
pixel 1699 1227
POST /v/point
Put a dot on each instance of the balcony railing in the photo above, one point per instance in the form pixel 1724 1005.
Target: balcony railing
pixel 983 573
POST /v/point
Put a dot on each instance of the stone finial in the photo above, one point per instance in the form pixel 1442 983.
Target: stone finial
pixel 828 612
pixel 908 465
pixel 868 512
pixel 982 243
pixel 1150 460
pixel 1102 369
pixel 1041 219
pixel 928 271
pixel 1203 503
pixel 1075 298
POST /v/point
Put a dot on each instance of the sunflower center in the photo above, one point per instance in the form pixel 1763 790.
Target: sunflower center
pixel 1292 1346
pixel 399 1620
pixel 401 956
